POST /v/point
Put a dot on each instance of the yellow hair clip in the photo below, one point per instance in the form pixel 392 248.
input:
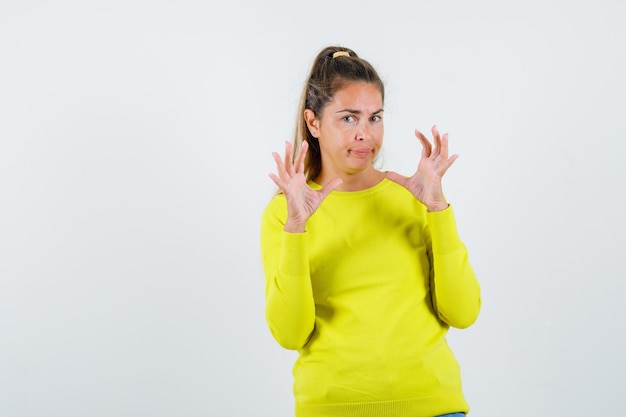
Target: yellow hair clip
pixel 340 53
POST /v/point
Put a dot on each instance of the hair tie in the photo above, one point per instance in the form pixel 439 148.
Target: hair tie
pixel 341 53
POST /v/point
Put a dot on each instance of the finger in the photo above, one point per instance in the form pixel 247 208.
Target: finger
pixel 443 145
pixel 277 181
pixel 448 164
pixel 280 167
pixel 397 178
pixel 330 186
pixel 436 140
pixel 289 158
pixel 426 146
pixel 299 162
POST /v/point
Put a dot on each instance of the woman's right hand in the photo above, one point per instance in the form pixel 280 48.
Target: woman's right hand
pixel 302 200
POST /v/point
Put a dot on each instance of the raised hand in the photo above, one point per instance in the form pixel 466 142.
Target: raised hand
pixel 302 200
pixel 425 184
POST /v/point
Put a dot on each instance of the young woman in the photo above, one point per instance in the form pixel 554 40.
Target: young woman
pixel 365 271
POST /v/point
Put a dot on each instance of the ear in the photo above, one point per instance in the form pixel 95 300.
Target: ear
pixel 312 122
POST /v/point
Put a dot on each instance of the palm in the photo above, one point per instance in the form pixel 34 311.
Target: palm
pixel 425 184
pixel 302 200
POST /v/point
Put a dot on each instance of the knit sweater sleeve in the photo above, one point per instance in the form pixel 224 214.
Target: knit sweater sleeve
pixel 455 288
pixel 289 302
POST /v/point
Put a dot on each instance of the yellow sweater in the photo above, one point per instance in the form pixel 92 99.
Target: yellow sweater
pixel 366 296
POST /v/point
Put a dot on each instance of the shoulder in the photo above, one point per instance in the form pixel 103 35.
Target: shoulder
pixel 275 209
pixel 398 194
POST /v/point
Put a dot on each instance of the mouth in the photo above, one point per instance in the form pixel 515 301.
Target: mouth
pixel 361 153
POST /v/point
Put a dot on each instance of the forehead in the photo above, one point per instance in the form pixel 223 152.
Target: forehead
pixel 358 96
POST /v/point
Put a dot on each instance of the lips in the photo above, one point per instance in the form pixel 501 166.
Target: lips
pixel 361 152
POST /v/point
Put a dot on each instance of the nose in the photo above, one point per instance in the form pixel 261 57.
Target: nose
pixel 361 133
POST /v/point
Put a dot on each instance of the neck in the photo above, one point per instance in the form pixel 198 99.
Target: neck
pixel 353 182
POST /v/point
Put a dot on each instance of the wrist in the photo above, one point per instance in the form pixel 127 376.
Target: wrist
pixel 437 207
pixel 292 226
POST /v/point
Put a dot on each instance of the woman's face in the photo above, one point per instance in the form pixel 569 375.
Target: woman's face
pixel 350 130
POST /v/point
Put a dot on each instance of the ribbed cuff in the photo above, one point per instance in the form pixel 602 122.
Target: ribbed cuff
pixel 294 259
pixel 443 230
pixel 414 407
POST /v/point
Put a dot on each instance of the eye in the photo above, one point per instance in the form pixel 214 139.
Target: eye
pixel 349 119
pixel 376 118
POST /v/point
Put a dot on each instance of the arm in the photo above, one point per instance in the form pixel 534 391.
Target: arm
pixel 455 289
pixel 290 307
pixel 454 286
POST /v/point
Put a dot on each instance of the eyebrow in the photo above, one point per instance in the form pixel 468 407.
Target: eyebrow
pixel 358 111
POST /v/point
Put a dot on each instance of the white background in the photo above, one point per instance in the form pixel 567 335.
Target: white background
pixel 135 143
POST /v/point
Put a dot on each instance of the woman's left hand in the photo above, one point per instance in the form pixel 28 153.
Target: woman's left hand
pixel 425 184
